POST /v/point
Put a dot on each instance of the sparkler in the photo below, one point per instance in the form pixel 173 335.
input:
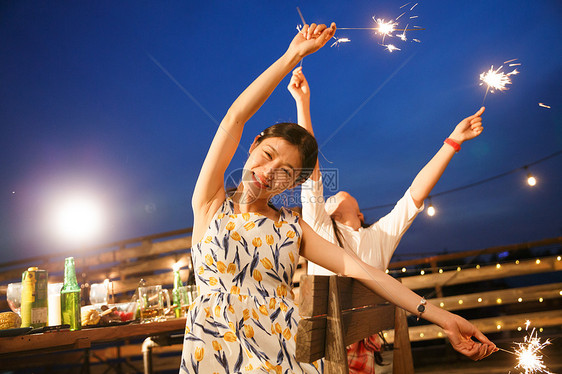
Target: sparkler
pixel 529 355
pixel 388 28
pixel 497 79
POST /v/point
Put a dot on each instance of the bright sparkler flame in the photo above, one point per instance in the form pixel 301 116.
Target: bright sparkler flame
pixel 385 28
pixel 496 79
pixel 529 353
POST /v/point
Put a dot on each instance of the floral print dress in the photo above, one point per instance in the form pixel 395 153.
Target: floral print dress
pixel 245 318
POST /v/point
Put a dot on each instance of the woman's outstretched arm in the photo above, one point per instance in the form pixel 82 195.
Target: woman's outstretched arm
pixel 342 262
pixel 427 178
pixel 209 188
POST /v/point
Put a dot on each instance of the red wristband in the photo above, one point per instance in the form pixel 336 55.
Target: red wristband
pixel 456 146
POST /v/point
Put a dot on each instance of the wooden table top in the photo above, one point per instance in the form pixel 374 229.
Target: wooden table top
pixel 67 340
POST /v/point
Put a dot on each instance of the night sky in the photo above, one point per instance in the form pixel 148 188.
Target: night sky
pixel 120 101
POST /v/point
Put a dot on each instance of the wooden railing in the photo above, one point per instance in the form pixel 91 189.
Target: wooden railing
pixel 152 257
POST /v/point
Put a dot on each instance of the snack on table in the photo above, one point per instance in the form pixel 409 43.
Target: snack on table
pixel 90 318
pixel 9 320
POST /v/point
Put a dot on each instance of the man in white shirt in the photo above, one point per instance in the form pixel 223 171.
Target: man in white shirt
pixel 339 220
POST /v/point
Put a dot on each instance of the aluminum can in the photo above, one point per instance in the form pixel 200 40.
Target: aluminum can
pixel 34 298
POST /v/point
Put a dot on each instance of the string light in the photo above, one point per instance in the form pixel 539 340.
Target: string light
pixel 531 180
pixel 430 209
pixel 403 271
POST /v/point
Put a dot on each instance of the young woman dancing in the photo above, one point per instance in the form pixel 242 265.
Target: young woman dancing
pixel 246 251
pixel 339 220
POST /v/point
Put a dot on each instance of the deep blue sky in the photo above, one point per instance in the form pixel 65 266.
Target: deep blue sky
pixel 86 106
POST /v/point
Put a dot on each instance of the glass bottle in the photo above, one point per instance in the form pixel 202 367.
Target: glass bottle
pixel 179 294
pixel 70 297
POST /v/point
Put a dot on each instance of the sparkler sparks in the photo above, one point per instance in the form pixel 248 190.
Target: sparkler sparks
pixel 387 28
pixel 496 79
pixel 544 105
pixel 392 47
pixel 529 353
pixel 340 40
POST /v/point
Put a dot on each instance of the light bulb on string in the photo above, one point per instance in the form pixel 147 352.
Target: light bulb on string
pixel 531 180
pixel 430 209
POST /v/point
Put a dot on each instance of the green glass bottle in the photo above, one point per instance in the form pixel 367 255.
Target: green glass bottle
pixel 70 297
pixel 178 293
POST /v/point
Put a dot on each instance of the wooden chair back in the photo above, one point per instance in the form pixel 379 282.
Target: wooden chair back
pixel 339 311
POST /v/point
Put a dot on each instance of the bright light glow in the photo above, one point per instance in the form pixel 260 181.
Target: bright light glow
pixel 441 304
pixel 458 268
pixel 479 299
pixel 461 302
pixel 498 300
pixel 538 261
pixel 529 354
pixel 78 219
pixel 541 299
pixel 531 181
pixel 430 211
pixel 520 299
pixel 496 79
pixel 403 270
pixel 498 266
pixel 499 327
pixel 385 28
pixel 440 271
pixel 477 266
pixel 423 272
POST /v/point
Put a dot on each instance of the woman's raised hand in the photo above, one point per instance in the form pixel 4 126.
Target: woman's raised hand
pixel 468 128
pixel 311 38
pixel 298 86
pixel 460 333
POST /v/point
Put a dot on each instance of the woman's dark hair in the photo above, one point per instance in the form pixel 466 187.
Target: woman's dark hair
pixel 296 135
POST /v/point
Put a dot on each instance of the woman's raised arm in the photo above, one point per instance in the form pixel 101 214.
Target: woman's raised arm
pixel 427 178
pixel 209 189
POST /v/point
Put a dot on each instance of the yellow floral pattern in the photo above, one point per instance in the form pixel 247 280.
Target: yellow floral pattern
pixel 245 318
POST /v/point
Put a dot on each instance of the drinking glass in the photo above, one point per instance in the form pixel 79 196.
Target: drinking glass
pixel 98 293
pixel 13 296
pixel 151 303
